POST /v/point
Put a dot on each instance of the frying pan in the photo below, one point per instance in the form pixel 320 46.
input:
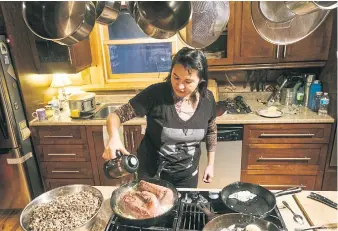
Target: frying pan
pixel 220 222
pixel 261 205
pixel 115 197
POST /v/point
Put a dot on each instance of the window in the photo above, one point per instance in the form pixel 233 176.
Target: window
pixel 130 54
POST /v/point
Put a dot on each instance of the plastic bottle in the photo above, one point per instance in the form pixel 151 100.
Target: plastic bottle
pixel 324 104
pixel 317 100
pixel 315 87
pixel 300 96
pixel 56 108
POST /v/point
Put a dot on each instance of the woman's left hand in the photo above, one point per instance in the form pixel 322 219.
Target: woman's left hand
pixel 208 174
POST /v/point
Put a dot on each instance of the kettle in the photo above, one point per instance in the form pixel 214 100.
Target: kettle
pixel 120 166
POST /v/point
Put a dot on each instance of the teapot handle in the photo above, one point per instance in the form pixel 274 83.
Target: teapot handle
pixel 108 165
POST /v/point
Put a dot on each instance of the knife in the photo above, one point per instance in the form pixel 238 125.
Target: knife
pixel 322 199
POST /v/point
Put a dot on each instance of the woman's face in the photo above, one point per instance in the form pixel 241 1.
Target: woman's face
pixel 184 82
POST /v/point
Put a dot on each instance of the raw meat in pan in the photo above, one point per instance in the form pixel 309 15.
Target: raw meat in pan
pixel 131 205
pixel 158 190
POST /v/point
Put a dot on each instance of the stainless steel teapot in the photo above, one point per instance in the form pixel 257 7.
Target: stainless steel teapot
pixel 120 166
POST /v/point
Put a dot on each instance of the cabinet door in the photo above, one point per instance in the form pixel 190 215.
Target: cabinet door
pixel 250 47
pixel 229 39
pixel 96 148
pixel 315 47
pixel 133 137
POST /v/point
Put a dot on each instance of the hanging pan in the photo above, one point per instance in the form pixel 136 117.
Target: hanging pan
pixel 107 11
pixel 275 23
pixel 65 23
pixel 208 21
pixel 252 199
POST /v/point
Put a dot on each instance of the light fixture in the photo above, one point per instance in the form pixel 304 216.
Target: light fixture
pixel 60 81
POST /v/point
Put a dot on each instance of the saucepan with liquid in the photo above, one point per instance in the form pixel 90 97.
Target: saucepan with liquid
pixel 144 202
pixel 252 199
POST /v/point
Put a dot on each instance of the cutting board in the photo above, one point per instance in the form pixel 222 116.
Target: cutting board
pixel 316 212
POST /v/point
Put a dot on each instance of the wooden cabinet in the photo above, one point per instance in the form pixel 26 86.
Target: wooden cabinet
pixel 250 47
pixel 279 156
pixel 50 57
pixel 133 136
pixel 63 156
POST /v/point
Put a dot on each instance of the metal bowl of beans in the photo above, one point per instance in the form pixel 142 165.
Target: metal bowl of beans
pixel 71 207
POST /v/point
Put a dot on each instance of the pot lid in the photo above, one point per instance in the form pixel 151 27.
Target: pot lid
pixel 289 31
pixel 82 96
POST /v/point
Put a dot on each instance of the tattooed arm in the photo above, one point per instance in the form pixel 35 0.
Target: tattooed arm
pixel 114 120
pixel 211 141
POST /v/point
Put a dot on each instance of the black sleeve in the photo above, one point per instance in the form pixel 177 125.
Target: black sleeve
pixel 145 100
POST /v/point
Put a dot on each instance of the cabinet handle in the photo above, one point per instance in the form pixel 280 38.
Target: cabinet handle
pixel 284 158
pixel 65 171
pixel 284 52
pixel 277 52
pixel 49 136
pixel 132 140
pixel 282 185
pixel 126 139
pixel 286 135
pixel 61 154
pixel 70 56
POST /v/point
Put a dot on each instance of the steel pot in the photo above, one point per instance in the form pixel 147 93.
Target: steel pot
pixel 65 23
pixel 84 102
pixel 107 11
pixel 148 28
pixel 307 7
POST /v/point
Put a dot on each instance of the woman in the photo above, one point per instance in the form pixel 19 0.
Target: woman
pixel 180 113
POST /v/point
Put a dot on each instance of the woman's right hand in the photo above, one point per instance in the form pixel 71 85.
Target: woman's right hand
pixel 113 145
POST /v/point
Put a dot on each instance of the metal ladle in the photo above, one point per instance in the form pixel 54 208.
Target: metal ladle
pixel 298 218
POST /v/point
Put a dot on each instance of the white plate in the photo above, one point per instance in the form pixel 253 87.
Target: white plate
pixel 270 114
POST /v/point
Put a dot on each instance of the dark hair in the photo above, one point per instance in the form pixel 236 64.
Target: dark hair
pixel 192 59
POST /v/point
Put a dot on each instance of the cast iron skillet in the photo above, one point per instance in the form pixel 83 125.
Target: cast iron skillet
pixel 149 221
pixel 262 205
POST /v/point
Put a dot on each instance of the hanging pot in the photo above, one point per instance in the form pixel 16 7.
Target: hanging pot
pixel 107 11
pixel 65 23
pixel 148 28
pixel 307 7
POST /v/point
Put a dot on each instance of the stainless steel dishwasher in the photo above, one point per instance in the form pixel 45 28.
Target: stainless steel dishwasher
pixel 227 168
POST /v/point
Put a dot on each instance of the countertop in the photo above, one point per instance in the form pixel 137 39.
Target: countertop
pixel 305 116
pixel 321 218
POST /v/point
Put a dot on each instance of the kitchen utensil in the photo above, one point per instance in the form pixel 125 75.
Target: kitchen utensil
pixel 242 104
pixel 322 199
pixel 208 21
pixel 63 22
pixel 235 220
pixel 285 33
pixel 296 217
pixel 326 226
pixel 308 7
pixel 84 102
pixel 261 205
pixel 121 166
pixel 61 191
pixel 166 15
pixel 274 11
pixel 269 114
pixel 149 221
pixel 148 28
pixel 107 11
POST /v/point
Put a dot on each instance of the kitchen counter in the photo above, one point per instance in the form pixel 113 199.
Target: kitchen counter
pixel 321 217
pixel 306 116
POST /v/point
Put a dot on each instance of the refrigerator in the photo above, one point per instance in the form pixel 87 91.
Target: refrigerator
pixel 20 179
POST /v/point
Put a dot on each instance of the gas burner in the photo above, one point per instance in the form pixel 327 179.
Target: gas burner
pixel 186 199
pixel 201 199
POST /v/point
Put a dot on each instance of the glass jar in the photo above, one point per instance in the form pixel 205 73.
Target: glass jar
pixel 49 111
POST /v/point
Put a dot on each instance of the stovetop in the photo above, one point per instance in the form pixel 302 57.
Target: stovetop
pixel 186 216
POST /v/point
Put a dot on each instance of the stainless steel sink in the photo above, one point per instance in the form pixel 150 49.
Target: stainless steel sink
pixel 105 110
